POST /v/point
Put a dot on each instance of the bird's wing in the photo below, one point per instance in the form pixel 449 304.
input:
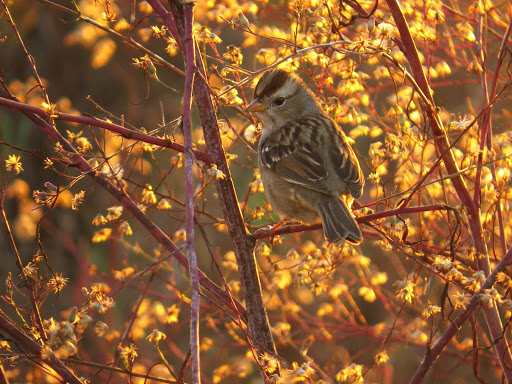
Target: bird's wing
pixel 347 167
pixel 296 165
pixel 304 163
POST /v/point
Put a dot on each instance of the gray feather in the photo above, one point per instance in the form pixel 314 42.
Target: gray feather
pixel 338 222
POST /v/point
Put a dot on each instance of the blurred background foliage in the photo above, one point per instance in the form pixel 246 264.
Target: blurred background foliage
pixel 340 313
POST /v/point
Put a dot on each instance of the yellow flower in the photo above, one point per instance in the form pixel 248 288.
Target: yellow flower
pixel 430 310
pixel 381 358
pixel 148 195
pixel 460 300
pixel 13 164
pixel 234 54
pixel 100 328
pixel 159 32
pixel 351 374
pixel 124 273
pixel 101 235
pixel 108 16
pixel 172 47
pixel 57 283
pixel 214 172
pixel 77 200
pixel 368 294
pixel 128 353
pixel 164 204
pixel 99 220
pixel 156 336
pixel 172 314
pixel 50 109
pixel 114 212
pixel 125 228
pixel 405 290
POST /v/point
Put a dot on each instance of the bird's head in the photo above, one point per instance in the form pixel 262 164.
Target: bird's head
pixel 281 97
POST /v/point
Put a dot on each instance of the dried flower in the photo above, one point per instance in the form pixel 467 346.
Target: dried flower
pixel 56 283
pixel 430 310
pixel 156 336
pixel 405 290
pixel 101 235
pixel 13 164
pixel 77 200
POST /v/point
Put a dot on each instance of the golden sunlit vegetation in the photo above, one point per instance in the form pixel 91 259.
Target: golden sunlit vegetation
pixel 138 244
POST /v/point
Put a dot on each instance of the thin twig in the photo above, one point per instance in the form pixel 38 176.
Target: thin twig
pixel 95 122
pixel 131 320
pixel 27 53
pixel 126 39
pixel 19 264
pixel 265 233
pixel 243 246
pixel 486 135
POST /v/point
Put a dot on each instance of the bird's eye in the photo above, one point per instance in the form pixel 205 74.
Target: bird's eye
pixel 279 101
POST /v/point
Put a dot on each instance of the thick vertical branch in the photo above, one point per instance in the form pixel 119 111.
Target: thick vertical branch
pixel 191 69
pixel 473 210
pixel 243 246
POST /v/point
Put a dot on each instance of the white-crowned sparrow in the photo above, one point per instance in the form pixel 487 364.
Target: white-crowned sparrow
pixel 308 169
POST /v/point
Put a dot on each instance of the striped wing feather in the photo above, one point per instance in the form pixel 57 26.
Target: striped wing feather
pixel 302 163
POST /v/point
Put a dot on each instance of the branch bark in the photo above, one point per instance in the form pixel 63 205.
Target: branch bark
pixel 93 121
pixel 191 69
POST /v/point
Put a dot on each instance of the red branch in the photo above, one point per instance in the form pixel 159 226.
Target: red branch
pixel 93 121
pixel 263 233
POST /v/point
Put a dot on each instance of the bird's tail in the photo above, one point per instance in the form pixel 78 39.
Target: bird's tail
pixel 338 222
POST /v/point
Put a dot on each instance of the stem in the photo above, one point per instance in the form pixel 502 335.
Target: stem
pixel 188 10
pixel 263 233
pixel 19 263
pixel 129 326
pixel 93 121
pixel 3 377
pixel 126 39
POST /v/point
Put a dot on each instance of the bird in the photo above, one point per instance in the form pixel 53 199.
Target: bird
pixel 309 170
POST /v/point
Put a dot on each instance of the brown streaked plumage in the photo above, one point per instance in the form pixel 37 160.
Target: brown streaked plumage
pixel 308 169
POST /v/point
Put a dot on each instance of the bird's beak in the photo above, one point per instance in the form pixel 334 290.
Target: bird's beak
pixel 255 106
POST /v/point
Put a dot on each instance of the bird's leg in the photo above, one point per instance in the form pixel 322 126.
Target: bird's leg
pixel 271 228
pixel 275 227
